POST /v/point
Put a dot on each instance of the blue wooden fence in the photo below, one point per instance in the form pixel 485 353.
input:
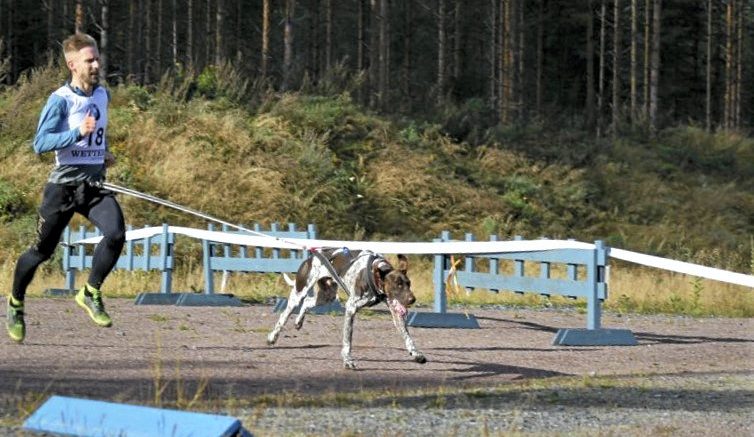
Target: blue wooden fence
pixel 150 253
pixel 584 277
pixel 221 257
pixel 157 253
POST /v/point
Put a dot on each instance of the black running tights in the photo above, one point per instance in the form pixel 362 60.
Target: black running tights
pixel 105 214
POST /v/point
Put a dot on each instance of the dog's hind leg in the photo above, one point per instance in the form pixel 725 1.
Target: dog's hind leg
pixel 309 303
pixel 294 300
pixel 353 304
pixel 326 292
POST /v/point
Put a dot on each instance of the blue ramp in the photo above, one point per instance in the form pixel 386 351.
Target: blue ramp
pixel 82 417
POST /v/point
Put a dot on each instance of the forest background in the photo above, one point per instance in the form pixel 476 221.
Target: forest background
pixel 623 120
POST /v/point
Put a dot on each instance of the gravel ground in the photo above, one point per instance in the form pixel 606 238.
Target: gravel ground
pixel 687 376
pixel 688 405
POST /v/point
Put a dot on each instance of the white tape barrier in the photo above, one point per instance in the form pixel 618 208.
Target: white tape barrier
pixel 683 267
pixel 406 248
pixel 439 248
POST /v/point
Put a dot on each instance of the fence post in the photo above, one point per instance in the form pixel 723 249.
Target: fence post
pixel 440 301
pixel 468 262
pixel 311 234
pixel 275 250
pixel 70 273
pixel 166 267
pixel 593 278
pixel 518 265
pixel 209 285
pixel 129 251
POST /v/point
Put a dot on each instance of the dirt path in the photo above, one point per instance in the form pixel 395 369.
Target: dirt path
pixel 181 348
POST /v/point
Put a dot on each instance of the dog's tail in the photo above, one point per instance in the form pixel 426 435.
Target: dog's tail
pixel 288 280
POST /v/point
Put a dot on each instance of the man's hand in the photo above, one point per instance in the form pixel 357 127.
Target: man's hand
pixel 88 125
pixel 109 159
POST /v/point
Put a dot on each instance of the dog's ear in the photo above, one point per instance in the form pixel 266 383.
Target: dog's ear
pixel 377 274
pixel 402 264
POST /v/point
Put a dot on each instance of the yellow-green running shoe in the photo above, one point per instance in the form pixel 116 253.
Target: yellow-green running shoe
pixel 90 299
pixel 15 320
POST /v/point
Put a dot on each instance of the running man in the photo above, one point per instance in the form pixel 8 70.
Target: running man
pixel 73 124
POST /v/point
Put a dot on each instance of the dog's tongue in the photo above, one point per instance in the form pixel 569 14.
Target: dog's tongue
pixel 400 309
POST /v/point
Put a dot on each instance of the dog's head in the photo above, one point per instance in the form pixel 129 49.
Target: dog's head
pixel 395 283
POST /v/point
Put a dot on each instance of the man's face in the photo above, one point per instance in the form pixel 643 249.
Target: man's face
pixel 84 66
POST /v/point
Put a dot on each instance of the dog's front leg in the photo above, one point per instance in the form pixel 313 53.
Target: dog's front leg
pixel 350 312
pixel 400 324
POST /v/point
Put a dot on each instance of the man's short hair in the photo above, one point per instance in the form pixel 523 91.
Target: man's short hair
pixel 76 42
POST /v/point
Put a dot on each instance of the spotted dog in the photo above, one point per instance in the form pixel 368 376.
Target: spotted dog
pixel 370 279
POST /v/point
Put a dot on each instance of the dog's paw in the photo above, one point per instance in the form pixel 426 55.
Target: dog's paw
pixel 350 365
pixel 420 358
pixel 271 340
pixel 298 324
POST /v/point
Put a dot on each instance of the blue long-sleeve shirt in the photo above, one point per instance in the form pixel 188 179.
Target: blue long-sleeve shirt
pixel 52 131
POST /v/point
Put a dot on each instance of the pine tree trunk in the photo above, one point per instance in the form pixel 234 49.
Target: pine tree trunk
pixel 728 65
pixel 10 43
pixel 315 60
pixel 440 50
pixel 506 61
pixel 647 51
pixel 148 43
pixel 80 25
pixel 131 47
pixel 708 102
pixel 49 7
pixel 384 43
pixel 328 34
pixel 521 82
pixel 601 80
pixel 493 55
pixel 616 66
pixel 265 37
pixel 239 32
pixel 360 48
pixel 104 43
pixel 158 49
pixel 634 60
pixel 3 57
pixel 407 65
pixel 540 54
pixel 373 52
pixel 590 67
pixel 739 70
pixel 64 20
pixel 290 6
pixel 219 27
pixel 457 41
pixel 139 46
pixel 190 33
pixel 655 68
pixel 174 40
pixel 208 34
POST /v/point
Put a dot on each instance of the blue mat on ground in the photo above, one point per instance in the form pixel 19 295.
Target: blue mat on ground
pixel 83 417
pixel 441 320
pixel 187 299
